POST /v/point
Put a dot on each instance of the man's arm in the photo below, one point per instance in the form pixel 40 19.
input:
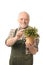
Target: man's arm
pixel 11 39
pixel 34 47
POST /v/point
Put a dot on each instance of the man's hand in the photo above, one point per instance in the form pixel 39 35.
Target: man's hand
pixel 19 33
pixel 28 44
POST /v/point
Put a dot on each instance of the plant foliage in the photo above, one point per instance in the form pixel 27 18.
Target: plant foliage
pixel 31 31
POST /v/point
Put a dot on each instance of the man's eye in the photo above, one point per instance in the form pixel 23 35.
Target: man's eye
pixel 21 19
pixel 26 19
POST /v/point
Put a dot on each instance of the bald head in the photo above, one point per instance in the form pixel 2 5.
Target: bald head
pixel 24 13
pixel 23 19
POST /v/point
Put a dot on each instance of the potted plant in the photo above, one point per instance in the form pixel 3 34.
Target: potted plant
pixel 30 34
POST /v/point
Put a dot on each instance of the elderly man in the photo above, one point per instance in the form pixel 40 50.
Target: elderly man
pixel 20 55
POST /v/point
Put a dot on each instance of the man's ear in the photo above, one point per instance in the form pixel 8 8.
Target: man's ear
pixel 17 19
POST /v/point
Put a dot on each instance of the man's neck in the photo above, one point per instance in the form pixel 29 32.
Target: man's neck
pixel 23 28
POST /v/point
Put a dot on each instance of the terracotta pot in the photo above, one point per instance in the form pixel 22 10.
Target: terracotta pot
pixel 29 40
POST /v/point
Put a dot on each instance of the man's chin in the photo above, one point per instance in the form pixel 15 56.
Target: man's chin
pixel 24 27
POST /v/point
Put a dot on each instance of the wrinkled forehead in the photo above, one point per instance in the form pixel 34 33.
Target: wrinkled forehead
pixel 23 14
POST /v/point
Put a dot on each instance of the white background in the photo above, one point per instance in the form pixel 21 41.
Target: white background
pixel 9 10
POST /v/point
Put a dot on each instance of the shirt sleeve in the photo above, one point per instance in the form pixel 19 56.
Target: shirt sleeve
pixel 36 42
pixel 34 45
pixel 11 34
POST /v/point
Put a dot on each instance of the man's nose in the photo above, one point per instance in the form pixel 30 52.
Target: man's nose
pixel 23 20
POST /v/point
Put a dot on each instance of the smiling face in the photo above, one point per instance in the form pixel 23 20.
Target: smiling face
pixel 23 19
